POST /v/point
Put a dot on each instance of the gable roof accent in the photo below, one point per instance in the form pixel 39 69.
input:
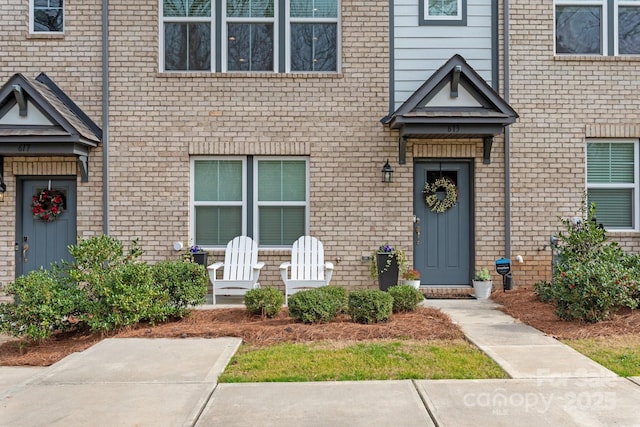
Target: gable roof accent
pixel 38 119
pixel 455 102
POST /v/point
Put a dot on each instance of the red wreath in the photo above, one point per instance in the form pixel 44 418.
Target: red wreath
pixel 48 205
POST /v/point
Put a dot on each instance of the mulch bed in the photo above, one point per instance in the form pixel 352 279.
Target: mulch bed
pixel 523 305
pixel 424 324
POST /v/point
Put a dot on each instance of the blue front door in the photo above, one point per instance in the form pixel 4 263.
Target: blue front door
pixel 41 241
pixel 443 246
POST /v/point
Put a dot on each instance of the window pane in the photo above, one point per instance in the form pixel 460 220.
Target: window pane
pixel 610 163
pixel 281 225
pixel 443 7
pixel 216 225
pixel 49 17
pixel 187 46
pixel 218 180
pixel 281 181
pixel 629 30
pixel 614 207
pixel 187 8
pixel 250 8
pixel 250 47
pixel 578 29
pixel 313 47
pixel 313 8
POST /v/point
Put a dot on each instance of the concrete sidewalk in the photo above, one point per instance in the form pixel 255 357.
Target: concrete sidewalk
pixel 172 382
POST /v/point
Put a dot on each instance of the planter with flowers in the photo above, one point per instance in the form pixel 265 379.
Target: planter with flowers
pixel 387 263
pixel 412 278
pixel 199 255
pixel 482 284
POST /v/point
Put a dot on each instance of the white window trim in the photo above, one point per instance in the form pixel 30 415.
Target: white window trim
pixel 222 33
pixel 169 19
pixel 193 203
pixel 257 204
pixel 635 185
pixel 249 20
pixel 32 18
pixel 603 25
pixel 428 17
pixel 324 20
pixel 616 22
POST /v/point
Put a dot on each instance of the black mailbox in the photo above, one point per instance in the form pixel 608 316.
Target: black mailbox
pixel 503 267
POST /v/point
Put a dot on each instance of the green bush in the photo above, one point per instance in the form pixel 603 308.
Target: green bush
pixel 405 298
pixel 593 276
pixel 544 291
pixel 41 306
pixel 370 306
pixel 185 282
pixel 318 305
pixel 126 296
pixel 266 302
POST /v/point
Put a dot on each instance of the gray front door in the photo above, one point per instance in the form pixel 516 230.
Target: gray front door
pixel 443 246
pixel 40 242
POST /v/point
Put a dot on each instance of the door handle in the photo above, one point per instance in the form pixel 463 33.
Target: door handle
pixel 417 228
pixel 25 248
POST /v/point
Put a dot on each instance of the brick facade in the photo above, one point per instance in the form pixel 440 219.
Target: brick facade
pixel 159 121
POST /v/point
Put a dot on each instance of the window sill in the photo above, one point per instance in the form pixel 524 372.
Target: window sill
pixel 56 36
pixel 245 75
pixel 598 58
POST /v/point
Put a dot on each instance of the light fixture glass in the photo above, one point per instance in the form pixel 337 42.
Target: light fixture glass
pixel 387 172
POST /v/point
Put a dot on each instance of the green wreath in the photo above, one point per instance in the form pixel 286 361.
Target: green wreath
pixel 434 202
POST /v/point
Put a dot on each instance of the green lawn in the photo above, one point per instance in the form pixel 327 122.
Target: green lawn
pixel 619 354
pixel 371 360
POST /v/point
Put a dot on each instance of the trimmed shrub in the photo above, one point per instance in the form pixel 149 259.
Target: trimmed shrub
pixel 185 283
pixel 318 305
pixel 41 306
pixel 405 298
pixel 266 302
pixel 126 295
pixel 370 306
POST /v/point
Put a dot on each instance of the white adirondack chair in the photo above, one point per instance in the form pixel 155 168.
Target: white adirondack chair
pixel 308 268
pixel 241 268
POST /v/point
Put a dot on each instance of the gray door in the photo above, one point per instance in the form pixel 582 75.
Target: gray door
pixel 443 246
pixel 40 242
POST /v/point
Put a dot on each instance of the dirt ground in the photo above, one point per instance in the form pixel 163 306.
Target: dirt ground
pixel 423 324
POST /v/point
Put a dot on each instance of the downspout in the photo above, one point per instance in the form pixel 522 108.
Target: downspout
pixel 105 117
pixel 507 153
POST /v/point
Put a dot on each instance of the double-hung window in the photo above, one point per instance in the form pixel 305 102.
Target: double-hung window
pixel 597 27
pixel 46 16
pixel 612 183
pixel 250 35
pixel 266 198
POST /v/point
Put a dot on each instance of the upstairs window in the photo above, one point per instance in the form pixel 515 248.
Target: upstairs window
pixel 250 35
pixel 612 183
pixel 443 12
pixel 47 16
pixel 597 27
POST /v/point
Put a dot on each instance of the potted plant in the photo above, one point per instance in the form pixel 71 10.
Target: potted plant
pixel 387 264
pixel 199 255
pixel 482 284
pixel 411 277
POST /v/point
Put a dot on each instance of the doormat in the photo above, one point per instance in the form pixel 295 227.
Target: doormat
pixel 455 293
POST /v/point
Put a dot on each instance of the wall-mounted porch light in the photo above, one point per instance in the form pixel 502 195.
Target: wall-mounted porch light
pixel 387 172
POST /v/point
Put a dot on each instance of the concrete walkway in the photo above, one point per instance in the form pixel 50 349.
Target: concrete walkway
pixel 165 382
